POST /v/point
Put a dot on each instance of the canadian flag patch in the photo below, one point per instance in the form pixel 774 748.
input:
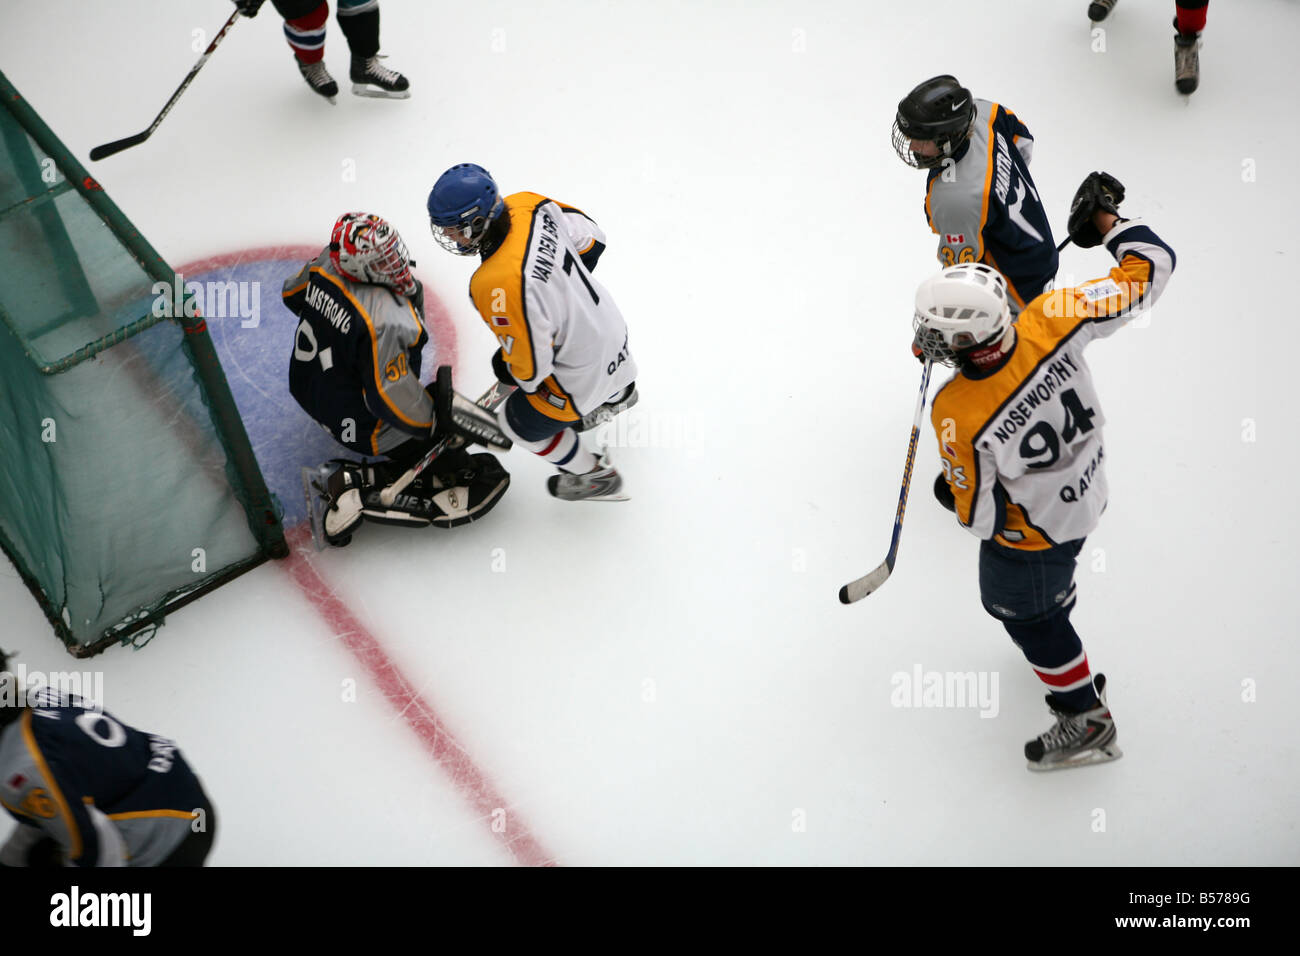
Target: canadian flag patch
pixel 956 240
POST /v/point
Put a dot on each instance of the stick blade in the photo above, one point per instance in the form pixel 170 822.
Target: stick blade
pixel 108 149
pixel 857 590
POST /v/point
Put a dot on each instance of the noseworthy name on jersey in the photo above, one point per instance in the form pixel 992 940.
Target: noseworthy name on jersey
pixel 1057 372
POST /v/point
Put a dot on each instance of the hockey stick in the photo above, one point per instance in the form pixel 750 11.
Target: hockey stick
pixel 108 149
pixel 491 400
pixel 857 590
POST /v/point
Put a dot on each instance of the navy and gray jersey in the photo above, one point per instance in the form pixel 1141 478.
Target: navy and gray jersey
pixel 108 794
pixel 985 208
pixel 356 359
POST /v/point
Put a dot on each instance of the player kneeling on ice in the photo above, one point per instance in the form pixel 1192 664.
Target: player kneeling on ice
pixel 562 339
pixel 1019 429
pixel 356 371
pixel 87 790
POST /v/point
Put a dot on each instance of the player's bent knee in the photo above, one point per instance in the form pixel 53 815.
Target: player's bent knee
pixel 526 423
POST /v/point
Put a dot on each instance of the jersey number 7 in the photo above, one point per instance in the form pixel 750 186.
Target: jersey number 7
pixel 569 263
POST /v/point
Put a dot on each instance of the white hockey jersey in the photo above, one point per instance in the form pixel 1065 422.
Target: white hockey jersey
pixel 562 336
pixel 1021 446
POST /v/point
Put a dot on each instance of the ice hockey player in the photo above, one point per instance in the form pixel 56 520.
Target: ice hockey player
pixel 304 28
pixel 88 790
pixel 979 198
pixel 1020 441
pixel 1189 21
pixel 356 371
pixel 562 339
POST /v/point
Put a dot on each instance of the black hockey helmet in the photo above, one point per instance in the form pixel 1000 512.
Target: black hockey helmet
pixel 940 110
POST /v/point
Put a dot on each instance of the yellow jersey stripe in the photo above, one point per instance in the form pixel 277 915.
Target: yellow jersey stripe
pixel 374 348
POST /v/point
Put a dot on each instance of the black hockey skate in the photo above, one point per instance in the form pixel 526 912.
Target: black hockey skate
pixel 1187 61
pixel 371 79
pixel 319 79
pixel 1077 739
pixel 1099 10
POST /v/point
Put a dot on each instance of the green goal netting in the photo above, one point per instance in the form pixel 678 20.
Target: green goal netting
pixel 127 483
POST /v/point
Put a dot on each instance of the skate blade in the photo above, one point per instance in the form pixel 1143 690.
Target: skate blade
pixel 1099 755
pixel 312 479
pixel 363 89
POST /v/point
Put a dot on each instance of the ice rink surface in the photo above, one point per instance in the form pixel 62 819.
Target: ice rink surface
pixel 671 680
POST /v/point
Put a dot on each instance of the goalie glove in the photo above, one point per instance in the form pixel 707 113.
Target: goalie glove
pixel 1099 192
pixel 457 416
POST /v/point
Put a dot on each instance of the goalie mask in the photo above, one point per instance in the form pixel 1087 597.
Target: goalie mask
pixel 961 309
pixel 366 248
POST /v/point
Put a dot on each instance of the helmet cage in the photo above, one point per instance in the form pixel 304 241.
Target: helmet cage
pixel 948 142
pixel 466 235
pixel 366 248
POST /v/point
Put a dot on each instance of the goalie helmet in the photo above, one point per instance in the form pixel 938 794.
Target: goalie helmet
pixel 366 248
pixel 940 111
pixel 961 309
pixel 462 204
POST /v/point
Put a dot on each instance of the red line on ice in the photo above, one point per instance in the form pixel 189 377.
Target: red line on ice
pixel 418 714
pixel 438 741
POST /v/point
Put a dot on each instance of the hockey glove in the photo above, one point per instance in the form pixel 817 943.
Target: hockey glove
pixel 917 352
pixel 417 299
pixel 501 369
pixel 944 493
pixel 248 8
pixel 1099 192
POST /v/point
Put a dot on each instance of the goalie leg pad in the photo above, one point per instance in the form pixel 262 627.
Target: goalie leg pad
pixel 343 497
pixel 468 493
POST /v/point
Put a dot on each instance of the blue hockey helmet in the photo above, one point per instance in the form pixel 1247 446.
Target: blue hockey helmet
pixel 462 203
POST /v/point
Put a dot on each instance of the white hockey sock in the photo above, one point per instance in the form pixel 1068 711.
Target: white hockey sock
pixel 563 450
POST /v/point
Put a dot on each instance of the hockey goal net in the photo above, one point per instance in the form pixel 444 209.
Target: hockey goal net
pixel 127 484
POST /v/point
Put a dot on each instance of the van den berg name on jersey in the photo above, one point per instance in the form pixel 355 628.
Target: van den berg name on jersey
pixel 1032 395
pixel 547 247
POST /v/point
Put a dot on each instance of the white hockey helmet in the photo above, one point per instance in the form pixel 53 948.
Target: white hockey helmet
pixel 964 307
pixel 366 248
